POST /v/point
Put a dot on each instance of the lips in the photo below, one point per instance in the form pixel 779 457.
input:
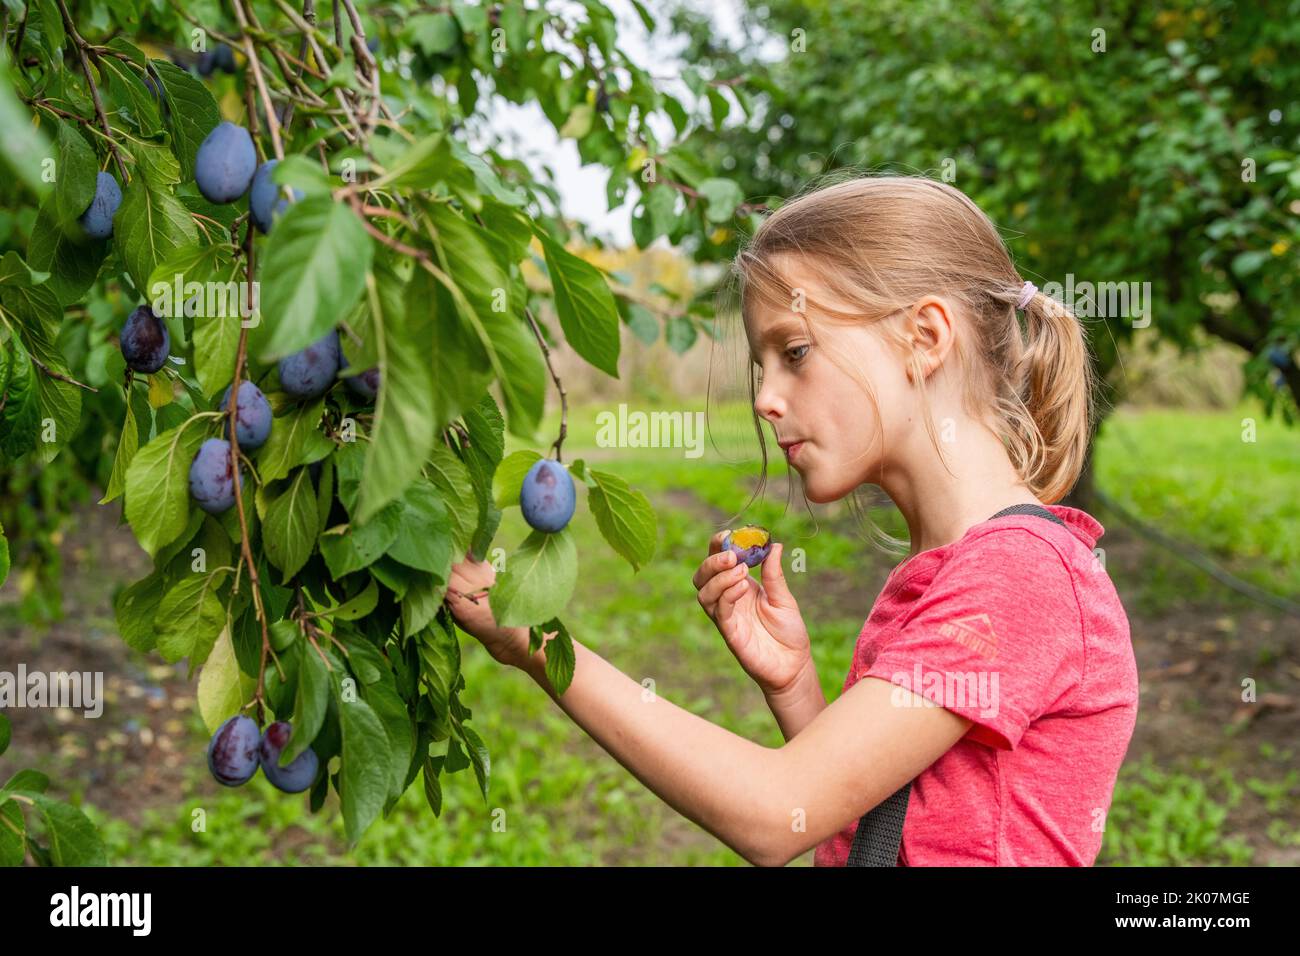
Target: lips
pixel 791 448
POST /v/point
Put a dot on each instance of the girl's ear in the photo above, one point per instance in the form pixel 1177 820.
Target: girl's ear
pixel 930 336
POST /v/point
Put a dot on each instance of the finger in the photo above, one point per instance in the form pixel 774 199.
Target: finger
pixel 712 565
pixel 778 592
pixel 713 590
pixel 727 605
pixel 715 543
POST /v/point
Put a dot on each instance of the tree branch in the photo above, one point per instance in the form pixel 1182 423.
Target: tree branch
pixel 81 46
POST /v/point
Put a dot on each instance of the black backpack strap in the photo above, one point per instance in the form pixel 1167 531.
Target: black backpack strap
pixel 880 831
pixel 1038 510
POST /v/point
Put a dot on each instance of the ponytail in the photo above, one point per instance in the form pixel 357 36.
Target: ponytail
pixel 1054 380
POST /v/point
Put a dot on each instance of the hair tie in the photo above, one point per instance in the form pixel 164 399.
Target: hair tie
pixel 1026 293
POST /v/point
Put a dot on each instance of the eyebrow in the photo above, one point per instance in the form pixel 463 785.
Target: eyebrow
pixel 781 330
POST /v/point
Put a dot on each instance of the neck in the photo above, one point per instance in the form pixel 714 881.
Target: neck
pixel 941 498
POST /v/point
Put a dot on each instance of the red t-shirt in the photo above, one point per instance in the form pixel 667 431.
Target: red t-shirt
pixel 1016 626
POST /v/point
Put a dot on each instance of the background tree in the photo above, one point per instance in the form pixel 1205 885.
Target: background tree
pixel 1128 142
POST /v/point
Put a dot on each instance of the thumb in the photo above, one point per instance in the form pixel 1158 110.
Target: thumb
pixel 778 594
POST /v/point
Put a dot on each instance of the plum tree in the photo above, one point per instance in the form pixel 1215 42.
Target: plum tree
pixel 361 495
pixel 547 497
pixel 145 341
pixel 97 220
pixel 365 385
pixel 264 199
pixel 225 163
pixel 308 373
pixel 301 772
pixel 233 751
pixel 212 476
pixel 750 544
pixel 253 415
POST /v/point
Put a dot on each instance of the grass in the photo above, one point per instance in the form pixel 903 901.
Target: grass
pixel 1195 476
pixel 557 799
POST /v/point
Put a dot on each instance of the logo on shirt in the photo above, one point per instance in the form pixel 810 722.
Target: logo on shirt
pixel 975 632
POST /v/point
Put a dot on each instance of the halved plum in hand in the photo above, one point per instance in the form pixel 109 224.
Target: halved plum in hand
pixel 751 544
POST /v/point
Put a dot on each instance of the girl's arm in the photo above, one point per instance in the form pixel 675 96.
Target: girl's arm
pixel 795 706
pixel 769 805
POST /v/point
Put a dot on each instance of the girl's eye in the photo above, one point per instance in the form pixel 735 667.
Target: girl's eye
pixel 797 353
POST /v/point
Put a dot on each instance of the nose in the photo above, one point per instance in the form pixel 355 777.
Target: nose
pixel 768 403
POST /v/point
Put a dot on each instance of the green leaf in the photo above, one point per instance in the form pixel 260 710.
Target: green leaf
pixel 389 707
pixel 402 434
pixel 192 111
pixel 351 548
pixel 190 617
pixel 135 607
pixel 538 580
pixel 433 33
pixel 135 429
pixel 223 688
pixel 313 272
pixel 365 758
pixel 286 446
pixel 425 538
pixel 289 526
pixel 586 307
pixel 132 96
pixel 509 478
pixel 560 660
pixel 23 145
pixel 624 516
pixel 72 261
pixel 680 334
pixel 723 196
pixel 421 601
pixel 158 487
pixel 479 285
pixel 75 171
pixel 643 323
pixel 579 122
pixel 450 476
pixel 310 703
pixel 13 842
pixel 458 363
pixel 20 419
pixel 74 841
pixel 356 607
pixel 150 227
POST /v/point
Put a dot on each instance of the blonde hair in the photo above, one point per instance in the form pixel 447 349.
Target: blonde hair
pixel 883 243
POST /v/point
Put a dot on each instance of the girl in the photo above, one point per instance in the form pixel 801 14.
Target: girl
pixel 994 672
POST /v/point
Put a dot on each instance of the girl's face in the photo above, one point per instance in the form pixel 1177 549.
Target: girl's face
pixel 810 400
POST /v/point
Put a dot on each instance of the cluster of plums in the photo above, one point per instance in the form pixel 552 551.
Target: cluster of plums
pixel 304 374
pixel 237 749
pixel 225 168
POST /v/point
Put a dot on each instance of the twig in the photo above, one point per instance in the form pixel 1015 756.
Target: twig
pixel 254 64
pixel 245 548
pixel 55 375
pixel 81 46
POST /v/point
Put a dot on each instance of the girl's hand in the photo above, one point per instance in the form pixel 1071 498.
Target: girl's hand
pixel 509 645
pixel 761 623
